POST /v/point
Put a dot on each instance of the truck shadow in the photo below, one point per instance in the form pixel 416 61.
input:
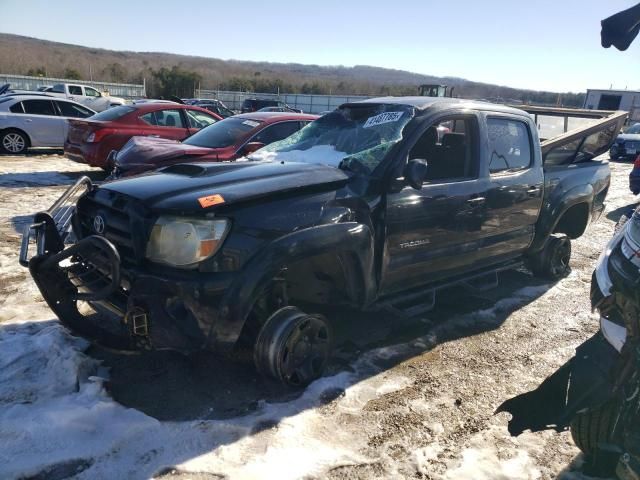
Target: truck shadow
pixel 170 386
pixel 209 402
pixel 614 215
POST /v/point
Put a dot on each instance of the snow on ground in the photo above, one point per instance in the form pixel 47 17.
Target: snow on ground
pixel 417 407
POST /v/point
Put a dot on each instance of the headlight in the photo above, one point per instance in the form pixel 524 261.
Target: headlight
pixel 184 242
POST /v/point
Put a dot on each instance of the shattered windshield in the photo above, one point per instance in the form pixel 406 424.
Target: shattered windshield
pixel 355 137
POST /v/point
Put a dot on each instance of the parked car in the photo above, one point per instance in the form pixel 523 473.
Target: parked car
pixel 595 393
pixel 90 141
pixel 86 95
pixel 278 109
pixel 36 121
pixel 254 104
pixel 227 139
pixel 215 106
pixel 363 207
pixel 627 144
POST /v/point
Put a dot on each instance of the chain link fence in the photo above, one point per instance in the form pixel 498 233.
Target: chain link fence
pixel 306 103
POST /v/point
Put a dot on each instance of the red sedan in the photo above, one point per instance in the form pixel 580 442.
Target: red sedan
pixel 92 139
pixel 227 139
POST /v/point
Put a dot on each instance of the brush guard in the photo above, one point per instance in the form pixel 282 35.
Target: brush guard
pixel 69 274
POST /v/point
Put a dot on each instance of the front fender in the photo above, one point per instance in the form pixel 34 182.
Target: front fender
pixel 351 238
pixel 555 207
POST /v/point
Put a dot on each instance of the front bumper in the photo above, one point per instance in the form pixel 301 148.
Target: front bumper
pixel 86 286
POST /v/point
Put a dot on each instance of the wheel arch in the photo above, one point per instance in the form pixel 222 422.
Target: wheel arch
pixel 550 219
pixel 294 257
pixel 19 130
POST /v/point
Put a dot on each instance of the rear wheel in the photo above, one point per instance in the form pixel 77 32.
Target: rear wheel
pixel 594 427
pixel 293 347
pixel 552 262
pixel 14 142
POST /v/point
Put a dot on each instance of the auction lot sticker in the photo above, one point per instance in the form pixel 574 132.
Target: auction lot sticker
pixel 386 117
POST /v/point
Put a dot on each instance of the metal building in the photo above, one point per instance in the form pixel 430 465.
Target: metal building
pixel 628 100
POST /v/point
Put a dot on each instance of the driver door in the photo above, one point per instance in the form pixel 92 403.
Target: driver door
pixel 432 232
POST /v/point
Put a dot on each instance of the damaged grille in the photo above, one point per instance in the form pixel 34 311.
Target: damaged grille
pixel 114 217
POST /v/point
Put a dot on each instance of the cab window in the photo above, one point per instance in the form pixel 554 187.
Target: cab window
pixel 91 92
pixel 75 90
pixel 449 150
pixel 509 144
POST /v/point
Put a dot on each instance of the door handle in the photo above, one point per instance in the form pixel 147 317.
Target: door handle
pixel 533 191
pixel 28 120
pixel 477 201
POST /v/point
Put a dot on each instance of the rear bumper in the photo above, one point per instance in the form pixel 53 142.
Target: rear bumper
pixel 90 154
pixel 620 150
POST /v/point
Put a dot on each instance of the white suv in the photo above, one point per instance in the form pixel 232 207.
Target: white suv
pixel 36 121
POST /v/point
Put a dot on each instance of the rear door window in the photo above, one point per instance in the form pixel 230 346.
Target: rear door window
pixel 39 107
pixel 75 90
pixel 509 144
pixel 16 108
pixel 164 118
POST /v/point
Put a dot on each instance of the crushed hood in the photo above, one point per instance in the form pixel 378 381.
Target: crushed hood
pixel 180 187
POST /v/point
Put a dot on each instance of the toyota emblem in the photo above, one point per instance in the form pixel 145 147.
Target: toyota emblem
pixel 98 224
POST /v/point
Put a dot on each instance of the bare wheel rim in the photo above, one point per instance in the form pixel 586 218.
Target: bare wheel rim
pixel 13 142
pixel 305 352
pixel 561 258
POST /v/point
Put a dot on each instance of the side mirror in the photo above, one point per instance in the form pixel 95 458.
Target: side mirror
pixel 415 172
pixel 252 147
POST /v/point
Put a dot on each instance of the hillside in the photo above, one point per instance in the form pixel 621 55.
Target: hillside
pixel 26 55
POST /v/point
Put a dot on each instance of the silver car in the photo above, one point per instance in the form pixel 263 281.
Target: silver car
pixel 36 120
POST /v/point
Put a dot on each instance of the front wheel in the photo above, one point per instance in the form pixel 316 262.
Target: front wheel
pixel 14 142
pixel 293 347
pixel 552 262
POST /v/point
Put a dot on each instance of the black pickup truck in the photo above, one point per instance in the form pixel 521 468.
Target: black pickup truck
pixel 376 205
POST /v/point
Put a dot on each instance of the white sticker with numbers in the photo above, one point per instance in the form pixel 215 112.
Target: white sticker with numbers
pixel 386 117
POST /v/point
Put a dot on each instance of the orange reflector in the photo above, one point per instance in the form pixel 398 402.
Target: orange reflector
pixel 210 200
pixel 207 247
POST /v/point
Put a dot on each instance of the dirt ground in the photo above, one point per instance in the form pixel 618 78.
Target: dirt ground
pixel 403 399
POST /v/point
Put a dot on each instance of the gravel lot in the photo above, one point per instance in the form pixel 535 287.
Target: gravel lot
pixel 403 399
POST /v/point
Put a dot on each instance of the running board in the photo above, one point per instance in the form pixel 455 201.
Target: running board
pixel 420 300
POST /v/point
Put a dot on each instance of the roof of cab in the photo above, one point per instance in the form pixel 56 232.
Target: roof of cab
pixel 443 103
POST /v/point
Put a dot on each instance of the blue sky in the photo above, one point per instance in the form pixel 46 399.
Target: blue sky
pixel 539 44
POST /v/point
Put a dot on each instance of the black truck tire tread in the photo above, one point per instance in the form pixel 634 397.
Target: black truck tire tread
pixel 593 427
pixel 541 263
